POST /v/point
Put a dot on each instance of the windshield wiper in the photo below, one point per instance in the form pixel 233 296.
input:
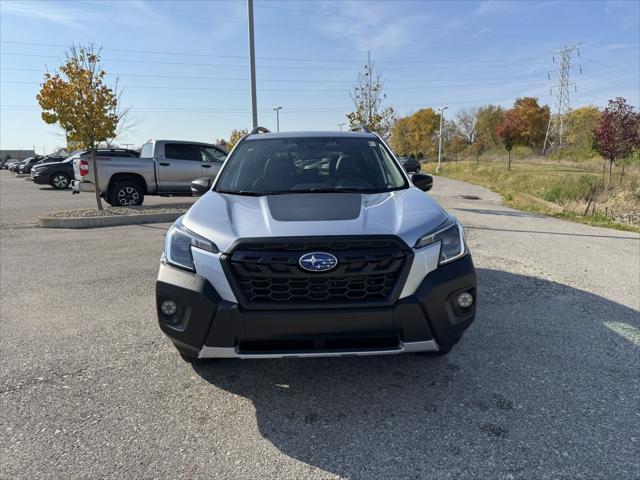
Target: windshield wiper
pixel 241 192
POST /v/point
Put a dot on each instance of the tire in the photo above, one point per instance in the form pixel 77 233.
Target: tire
pixel 59 181
pixel 126 194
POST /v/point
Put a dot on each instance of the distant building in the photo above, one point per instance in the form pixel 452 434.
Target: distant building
pixel 18 154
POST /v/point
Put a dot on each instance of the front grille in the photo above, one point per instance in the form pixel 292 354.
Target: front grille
pixel 265 274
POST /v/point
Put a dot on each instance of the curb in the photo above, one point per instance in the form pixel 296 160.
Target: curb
pixel 25 175
pixel 112 221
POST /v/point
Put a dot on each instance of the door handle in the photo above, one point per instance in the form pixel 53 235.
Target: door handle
pixel 164 164
pixel 206 165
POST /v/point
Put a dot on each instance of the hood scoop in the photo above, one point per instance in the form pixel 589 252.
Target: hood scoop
pixel 319 207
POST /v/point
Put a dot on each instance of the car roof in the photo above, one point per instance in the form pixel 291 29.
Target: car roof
pixel 310 134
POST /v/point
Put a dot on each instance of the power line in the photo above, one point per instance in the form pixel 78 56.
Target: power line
pixel 474 61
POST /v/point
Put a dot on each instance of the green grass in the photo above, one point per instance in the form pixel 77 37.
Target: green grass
pixel 554 189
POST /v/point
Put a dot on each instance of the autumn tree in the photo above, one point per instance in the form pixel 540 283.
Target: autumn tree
pixel 78 101
pixel 533 121
pixel 416 133
pixel 509 130
pixel 487 119
pixel 368 101
pixel 401 136
pixel 581 122
pixel 235 136
pixel 617 132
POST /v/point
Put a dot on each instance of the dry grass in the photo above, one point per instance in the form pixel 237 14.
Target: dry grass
pixel 562 189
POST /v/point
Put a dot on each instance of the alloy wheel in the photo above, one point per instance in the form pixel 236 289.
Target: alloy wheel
pixel 128 196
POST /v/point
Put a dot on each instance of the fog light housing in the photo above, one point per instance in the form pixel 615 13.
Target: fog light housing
pixel 168 308
pixel 465 300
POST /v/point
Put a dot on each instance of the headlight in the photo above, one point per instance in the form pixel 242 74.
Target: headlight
pixel 451 238
pixel 178 244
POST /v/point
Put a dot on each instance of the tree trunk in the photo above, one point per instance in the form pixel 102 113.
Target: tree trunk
pixel 509 161
pixel 604 166
pixel 621 174
pixel 610 166
pixel 94 164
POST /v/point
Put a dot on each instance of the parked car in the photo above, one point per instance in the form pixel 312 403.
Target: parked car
pixel 7 163
pixel 15 166
pixel 58 173
pixel 27 166
pixel 410 164
pixel 277 260
pixel 165 167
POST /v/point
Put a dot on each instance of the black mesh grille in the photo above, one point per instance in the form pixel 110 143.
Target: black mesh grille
pixel 266 274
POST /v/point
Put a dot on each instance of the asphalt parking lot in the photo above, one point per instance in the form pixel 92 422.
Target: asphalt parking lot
pixel 545 384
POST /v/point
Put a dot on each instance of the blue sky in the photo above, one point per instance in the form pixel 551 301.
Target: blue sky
pixel 184 66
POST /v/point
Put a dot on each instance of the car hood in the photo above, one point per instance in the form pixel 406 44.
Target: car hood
pixel 224 218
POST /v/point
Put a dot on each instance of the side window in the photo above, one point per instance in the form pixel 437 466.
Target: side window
pixel 210 154
pixel 147 150
pixel 182 151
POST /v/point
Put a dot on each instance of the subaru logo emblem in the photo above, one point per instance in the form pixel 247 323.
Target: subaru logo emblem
pixel 318 262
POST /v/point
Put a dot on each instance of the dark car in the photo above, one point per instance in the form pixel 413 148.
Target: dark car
pixel 410 164
pixel 11 161
pixel 27 166
pixel 60 174
pixel 14 166
pixel 56 174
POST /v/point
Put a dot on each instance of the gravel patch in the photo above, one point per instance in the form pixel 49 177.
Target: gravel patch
pixel 120 211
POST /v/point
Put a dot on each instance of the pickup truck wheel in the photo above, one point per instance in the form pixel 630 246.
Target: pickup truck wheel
pixel 126 194
pixel 59 181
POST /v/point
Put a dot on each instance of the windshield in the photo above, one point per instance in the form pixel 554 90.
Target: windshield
pixel 299 165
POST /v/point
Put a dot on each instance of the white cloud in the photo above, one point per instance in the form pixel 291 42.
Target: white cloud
pixel 41 10
pixel 368 26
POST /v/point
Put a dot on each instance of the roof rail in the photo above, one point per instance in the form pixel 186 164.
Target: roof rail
pixel 360 128
pixel 259 130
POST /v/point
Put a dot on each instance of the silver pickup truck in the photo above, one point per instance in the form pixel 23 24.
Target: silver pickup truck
pixel 165 167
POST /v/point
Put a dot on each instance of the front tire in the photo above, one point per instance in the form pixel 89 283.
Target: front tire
pixel 126 194
pixel 59 181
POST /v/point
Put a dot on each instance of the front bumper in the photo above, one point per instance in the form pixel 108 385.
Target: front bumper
pixel 206 326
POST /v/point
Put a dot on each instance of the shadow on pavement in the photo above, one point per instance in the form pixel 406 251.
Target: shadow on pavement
pixel 539 386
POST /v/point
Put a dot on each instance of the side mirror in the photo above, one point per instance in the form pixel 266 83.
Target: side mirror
pixel 200 186
pixel 422 181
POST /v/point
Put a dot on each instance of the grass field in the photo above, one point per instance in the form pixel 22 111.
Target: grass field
pixel 561 189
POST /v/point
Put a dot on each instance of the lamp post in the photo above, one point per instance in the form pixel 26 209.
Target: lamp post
pixel 252 65
pixel 340 125
pixel 441 109
pixel 277 110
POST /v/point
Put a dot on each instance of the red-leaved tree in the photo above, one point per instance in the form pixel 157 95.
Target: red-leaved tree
pixel 509 130
pixel 617 133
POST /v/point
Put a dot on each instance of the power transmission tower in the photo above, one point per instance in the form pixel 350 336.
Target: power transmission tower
pixel 562 105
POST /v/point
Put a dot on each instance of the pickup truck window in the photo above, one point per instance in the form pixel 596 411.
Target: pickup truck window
pixel 182 151
pixel 147 150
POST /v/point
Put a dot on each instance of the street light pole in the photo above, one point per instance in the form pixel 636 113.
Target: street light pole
pixel 340 125
pixel 277 109
pixel 442 109
pixel 252 65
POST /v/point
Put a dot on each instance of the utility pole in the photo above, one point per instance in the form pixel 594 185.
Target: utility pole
pixel 277 109
pixel 252 65
pixel 441 109
pixel 562 104
pixel 340 125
